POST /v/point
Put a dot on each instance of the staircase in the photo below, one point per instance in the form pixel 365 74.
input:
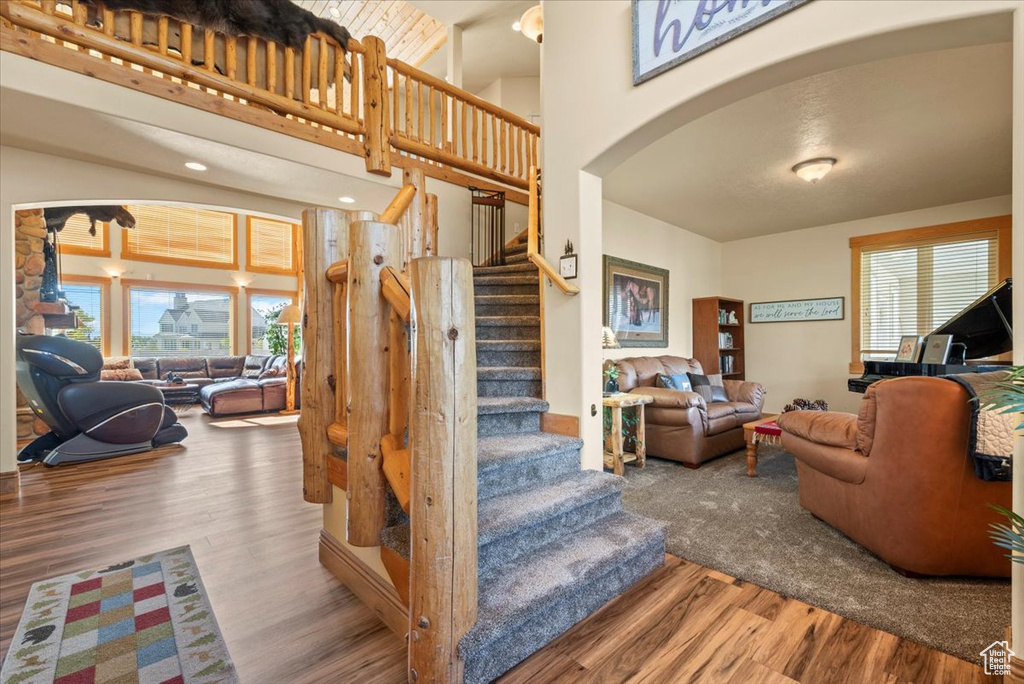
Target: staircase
pixel 554 541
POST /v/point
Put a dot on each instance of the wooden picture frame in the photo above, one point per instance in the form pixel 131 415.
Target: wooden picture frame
pixel 636 304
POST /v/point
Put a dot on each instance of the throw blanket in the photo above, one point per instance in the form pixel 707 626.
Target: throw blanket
pixel 991 439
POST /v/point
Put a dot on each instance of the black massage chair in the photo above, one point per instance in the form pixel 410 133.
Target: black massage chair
pixel 88 419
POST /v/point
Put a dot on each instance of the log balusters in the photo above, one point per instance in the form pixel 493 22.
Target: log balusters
pixel 443 433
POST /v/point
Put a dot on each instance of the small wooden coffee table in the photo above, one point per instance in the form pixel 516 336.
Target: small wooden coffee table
pixel 748 437
pixel 615 459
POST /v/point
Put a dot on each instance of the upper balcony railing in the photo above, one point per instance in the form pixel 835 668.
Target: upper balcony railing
pixel 360 101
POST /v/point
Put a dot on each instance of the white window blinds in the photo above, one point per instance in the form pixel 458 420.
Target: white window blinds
pixel 914 287
pixel 181 235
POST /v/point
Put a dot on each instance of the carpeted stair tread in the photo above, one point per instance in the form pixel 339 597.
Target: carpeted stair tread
pixel 397 539
pixel 500 300
pixel 524 279
pixel 518 258
pixel 507 321
pixel 491 373
pixel 498 450
pixel 527 267
pixel 528 602
pixel 492 405
pixel 507 345
pixel 501 516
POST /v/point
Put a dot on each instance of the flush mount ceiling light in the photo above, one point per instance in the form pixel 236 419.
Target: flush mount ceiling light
pixel 195 166
pixel 531 24
pixel 516 26
pixel 346 200
pixel 813 170
pixel 335 11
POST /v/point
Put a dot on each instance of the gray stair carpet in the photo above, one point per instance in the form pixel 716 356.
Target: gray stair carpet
pixel 554 542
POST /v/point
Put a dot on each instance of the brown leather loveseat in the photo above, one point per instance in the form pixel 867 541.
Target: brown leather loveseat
pixel 682 426
pixel 898 480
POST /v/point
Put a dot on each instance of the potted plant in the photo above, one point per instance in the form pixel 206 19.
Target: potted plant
pixel 1008 396
pixel 611 379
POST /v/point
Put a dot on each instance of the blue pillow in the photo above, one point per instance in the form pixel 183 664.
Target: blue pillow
pixel 675 382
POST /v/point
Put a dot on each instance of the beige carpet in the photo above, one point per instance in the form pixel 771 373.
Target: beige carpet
pixel 755 529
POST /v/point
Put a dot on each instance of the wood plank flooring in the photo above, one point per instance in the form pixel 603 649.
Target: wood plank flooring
pixel 234 493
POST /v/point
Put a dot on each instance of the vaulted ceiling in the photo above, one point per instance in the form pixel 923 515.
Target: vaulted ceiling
pixel 410 34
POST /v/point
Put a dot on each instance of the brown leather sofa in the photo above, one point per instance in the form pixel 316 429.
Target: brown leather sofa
pixel 898 480
pixel 227 385
pixel 681 426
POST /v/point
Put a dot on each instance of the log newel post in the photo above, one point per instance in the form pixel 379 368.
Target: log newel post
pixel 324 242
pixel 443 431
pixel 377 139
pixel 373 246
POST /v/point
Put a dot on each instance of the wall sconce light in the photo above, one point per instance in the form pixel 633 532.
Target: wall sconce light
pixel 114 272
pixel 531 24
pixel 241 281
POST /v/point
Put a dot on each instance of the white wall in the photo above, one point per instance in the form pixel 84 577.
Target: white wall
pixel 517 94
pixel 693 263
pixel 812 359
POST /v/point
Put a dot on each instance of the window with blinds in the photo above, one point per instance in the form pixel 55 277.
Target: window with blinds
pixel 910 286
pixel 271 246
pixel 181 235
pixel 180 322
pixel 75 238
pixel 87 302
pixel 263 311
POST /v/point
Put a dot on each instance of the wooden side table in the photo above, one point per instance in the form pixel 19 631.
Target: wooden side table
pixel 616 459
pixel 748 437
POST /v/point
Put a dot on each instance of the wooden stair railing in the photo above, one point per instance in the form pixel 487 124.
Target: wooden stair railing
pixel 533 240
pixel 364 103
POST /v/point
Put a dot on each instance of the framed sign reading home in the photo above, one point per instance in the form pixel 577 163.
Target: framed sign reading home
pixel 667 33
pixel 636 302
pixel 826 309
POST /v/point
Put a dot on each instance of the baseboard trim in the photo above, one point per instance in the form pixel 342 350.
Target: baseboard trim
pixel 10 482
pixel 560 424
pixel 368 586
pixel 1016 673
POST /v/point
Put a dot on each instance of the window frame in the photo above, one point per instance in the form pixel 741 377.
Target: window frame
pixel 103 228
pixel 963 231
pixel 249 293
pixel 104 284
pixel 128 255
pixel 126 306
pixel 296 254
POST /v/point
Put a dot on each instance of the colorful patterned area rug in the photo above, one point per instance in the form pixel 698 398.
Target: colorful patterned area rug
pixel 143 621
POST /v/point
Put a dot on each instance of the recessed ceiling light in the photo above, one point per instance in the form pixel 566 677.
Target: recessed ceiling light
pixel 813 170
pixel 195 166
pixel 335 12
pixel 346 200
pixel 516 26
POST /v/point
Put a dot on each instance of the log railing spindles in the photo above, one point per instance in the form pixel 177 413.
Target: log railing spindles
pixel 443 505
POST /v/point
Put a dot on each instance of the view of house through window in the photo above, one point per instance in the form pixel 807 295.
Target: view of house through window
pixel 263 311
pixel 913 288
pixel 180 322
pixel 87 303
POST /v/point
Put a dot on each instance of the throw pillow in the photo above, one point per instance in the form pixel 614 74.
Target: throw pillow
pixel 117 363
pixel 675 382
pixel 710 387
pixel 121 374
pixel 272 373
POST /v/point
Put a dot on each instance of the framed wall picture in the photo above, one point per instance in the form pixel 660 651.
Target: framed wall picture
pixel 910 348
pixel 936 348
pixel 636 302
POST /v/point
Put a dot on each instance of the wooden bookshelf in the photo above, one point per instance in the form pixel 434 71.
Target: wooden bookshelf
pixel 708 346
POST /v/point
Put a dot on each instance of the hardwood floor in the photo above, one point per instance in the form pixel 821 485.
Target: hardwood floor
pixel 234 493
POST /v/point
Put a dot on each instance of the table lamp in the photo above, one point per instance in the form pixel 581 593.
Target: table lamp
pixel 290 315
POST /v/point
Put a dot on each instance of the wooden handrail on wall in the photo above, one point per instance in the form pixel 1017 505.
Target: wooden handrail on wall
pixel 533 239
pixel 383 105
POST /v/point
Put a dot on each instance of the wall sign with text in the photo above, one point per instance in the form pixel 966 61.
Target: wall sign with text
pixel 667 33
pixel 826 309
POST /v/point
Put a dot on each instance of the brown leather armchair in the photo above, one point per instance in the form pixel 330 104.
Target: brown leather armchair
pixel 897 479
pixel 681 426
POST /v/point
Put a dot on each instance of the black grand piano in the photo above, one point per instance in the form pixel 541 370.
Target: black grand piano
pixel 981 330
